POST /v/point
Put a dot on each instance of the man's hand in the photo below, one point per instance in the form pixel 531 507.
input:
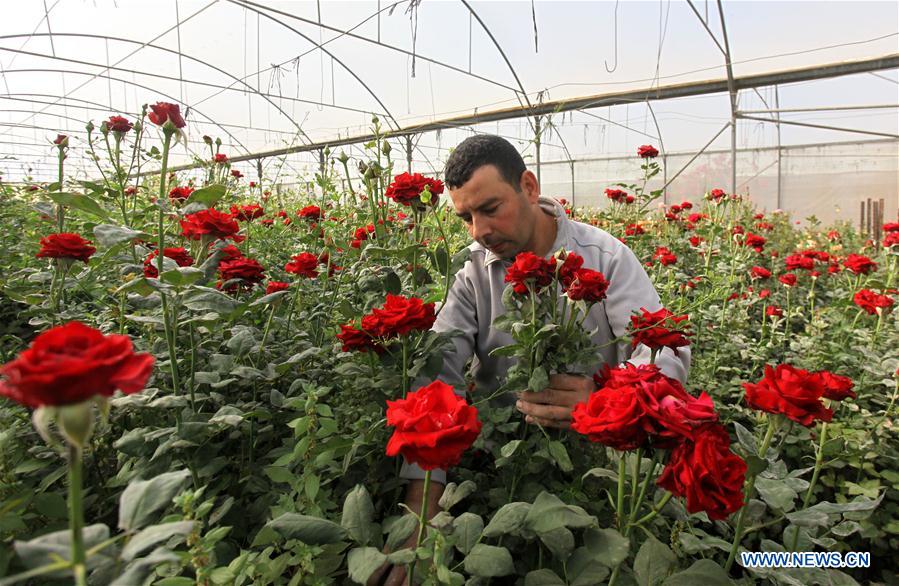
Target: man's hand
pixel 552 406
pixel 388 575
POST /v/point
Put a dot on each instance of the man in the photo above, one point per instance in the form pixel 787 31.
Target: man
pixel 499 201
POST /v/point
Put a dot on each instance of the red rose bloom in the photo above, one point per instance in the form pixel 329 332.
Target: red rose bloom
pixel 406 189
pixel 163 111
pixel 634 230
pixel 220 158
pixel 755 241
pixel 658 330
pixel 356 339
pixel 836 387
pixel 706 473
pixel 230 252
pixel 716 195
pixel 664 256
pixel 275 286
pixel 859 264
pixel 615 194
pixel 647 151
pixel 236 174
pixel 66 245
pixel 891 227
pixel 791 391
pixel 433 426
pixel 399 316
pixel 61 140
pixel 304 264
pixel 210 223
pixel 567 271
pixel 612 416
pixel 773 311
pixel 247 213
pixel 180 193
pixel 588 285
pixel 759 273
pixel 70 364
pixel 177 254
pixel 119 124
pixel 799 261
pixel 311 213
pixel 891 239
pixel 788 279
pixel 871 302
pixel 246 269
pixel 529 269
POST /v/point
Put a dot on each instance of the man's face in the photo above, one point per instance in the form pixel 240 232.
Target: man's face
pixel 499 217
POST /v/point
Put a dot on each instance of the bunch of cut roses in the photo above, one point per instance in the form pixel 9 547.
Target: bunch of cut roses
pixel 546 304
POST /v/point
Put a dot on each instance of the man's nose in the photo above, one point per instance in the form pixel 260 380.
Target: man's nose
pixel 480 228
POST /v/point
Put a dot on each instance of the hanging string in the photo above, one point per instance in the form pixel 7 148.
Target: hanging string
pixel 412 11
pixel 534 18
pixel 615 66
pixel 178 35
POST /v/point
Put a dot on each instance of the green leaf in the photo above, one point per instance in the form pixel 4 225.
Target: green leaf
pixel 182 276
pixel 52 547
pixel 539 380
pixel 489 561
pixel 80 202
pixel 453 494
pixel 543 577
pixel 601 473
pixel 402 557
pixel 746 440
pixel 582 569
pixel 109 234
pixel 358 513
pixel 559 541
pixel 154 534
pixel 138 570
pixel 270 299
pixel 705 572
pixel 549 512
pixel 776 493
pixel 810 517
pixel 653 563
pixel 467 529
pixel 362 563
pixel 607 546
pixel 309 530
pixel 507 450
pixel 401 530
pixel 508 519
pixel 560 456
pixel 208 195
pixel 755 465
pixel 142 499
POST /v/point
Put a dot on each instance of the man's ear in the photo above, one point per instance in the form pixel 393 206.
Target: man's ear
pixel 530 186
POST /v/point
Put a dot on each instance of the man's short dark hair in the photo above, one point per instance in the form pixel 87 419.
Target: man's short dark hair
pixel 479 150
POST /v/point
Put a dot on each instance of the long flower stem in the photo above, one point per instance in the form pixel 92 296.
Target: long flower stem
pixel 422 520
pixel 76 516
pixel 60 209
pixel 750 484
pixel 622 473
pixel 819 461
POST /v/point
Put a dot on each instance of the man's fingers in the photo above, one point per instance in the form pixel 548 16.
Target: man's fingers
pixel 552 396
pixel 548 422
pixel 375 579
pixel 397 576
pixel 549 412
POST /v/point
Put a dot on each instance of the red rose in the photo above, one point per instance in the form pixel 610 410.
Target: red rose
pixel 788 279
pixel 230 252
pixel 119 124
pixel 616 194
pixel 567 271
pixel 647 151
pixel 275 286
pixel 164 111
pixel 891 227
pixel 529 269
pixel 210 223
pixel 695 218
pixel 755 241
pixel 247 213
pixel 612 416
pixel 131 190
pixel 658 330
pixel 70 364
pixel 634 230
pixel 589 285
pixel 716 194
pixel 356 339
pixel 891 239
pixel 246 269
pixel 180 193
pixel 871 302
pixel 406 189
pixel 236 174
pixel 859 264
pixel 759 273
pixel 687 206
pixel 220 158
pixel 799 261
pixel 706 473
pixel 61 140
pixel 304 264
pixel 433 426
pixel 310 213
pixel 773 310
pixel 399 316
pixel 177 254
pixel 66 245
pixel 791 391
pixel 836 387
pixel 664 256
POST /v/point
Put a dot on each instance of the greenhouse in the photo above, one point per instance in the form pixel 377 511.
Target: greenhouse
pixel 462 293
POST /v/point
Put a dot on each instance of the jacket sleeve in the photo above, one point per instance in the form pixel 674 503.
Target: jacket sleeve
pixel 629 290
pixel 459 314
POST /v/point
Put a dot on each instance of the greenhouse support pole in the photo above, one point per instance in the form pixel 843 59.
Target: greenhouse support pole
pixel 537 144
pixel 571 164
pixel 731 88
pixel 779 151
pixel 409 153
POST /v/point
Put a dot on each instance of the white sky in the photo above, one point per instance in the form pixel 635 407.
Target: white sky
pixel 575 42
